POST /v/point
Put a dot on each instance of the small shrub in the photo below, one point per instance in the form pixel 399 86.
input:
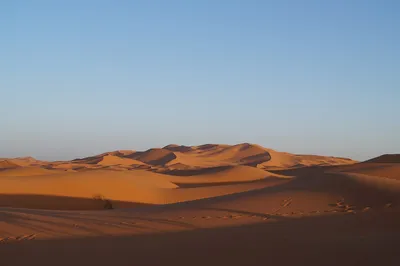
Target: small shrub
pixel 107 204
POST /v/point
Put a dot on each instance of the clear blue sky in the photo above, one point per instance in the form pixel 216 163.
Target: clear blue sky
pixel 83 77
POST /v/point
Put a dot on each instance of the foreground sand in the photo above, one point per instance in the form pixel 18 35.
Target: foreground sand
pixel 205 205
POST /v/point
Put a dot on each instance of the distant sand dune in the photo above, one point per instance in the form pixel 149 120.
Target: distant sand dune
pixel 115 160
pixel 178 148
pixel 6 164
pixel 21 161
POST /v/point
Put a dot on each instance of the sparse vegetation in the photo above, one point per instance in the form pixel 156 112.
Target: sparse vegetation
pixel 107 204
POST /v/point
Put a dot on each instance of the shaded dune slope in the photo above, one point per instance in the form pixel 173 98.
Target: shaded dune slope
pixel 153 156
pixel 387 165
pixel 388 170
pixel 386 158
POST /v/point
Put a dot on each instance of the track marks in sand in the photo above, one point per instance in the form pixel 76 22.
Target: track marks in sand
pixel 18 238
pixel 341 206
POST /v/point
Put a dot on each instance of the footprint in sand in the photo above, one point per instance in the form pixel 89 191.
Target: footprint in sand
pixel 342 207
pixel 388 205
pixel 366 209
pixel 286 202
pixel 3 240
pixel 127 223
pixel 26 237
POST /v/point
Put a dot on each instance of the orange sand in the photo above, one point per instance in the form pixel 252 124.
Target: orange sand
pixel 201 205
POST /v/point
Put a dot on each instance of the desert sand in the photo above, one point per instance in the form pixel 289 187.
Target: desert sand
pixel 200 205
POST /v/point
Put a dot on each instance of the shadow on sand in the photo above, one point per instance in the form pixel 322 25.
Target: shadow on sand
pixel 362 239
pixel 49 202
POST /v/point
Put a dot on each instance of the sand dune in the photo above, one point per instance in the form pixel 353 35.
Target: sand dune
pixel 26 161
pixel 201 197
pixel 281 160
pixel 227 174
pixel 310 192
pixel 205 171
pixel 375 182
pixel 132 186
pixel 244 153
pixel 213 155
pixel 187 157
pixel 178 148
pixel 194 160
pixel 386 158
pixel 97 158
pixel 115 160
pixel 6 164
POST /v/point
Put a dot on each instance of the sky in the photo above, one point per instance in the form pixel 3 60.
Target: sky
pixel 82 77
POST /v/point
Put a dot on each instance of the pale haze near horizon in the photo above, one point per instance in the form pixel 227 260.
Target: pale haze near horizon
pixel 311 77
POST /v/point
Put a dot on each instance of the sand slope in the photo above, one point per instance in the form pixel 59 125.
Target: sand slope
pixel 281 160
pixel 28 171
pixel 388 170
pixel 386 158
pixel 115 160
